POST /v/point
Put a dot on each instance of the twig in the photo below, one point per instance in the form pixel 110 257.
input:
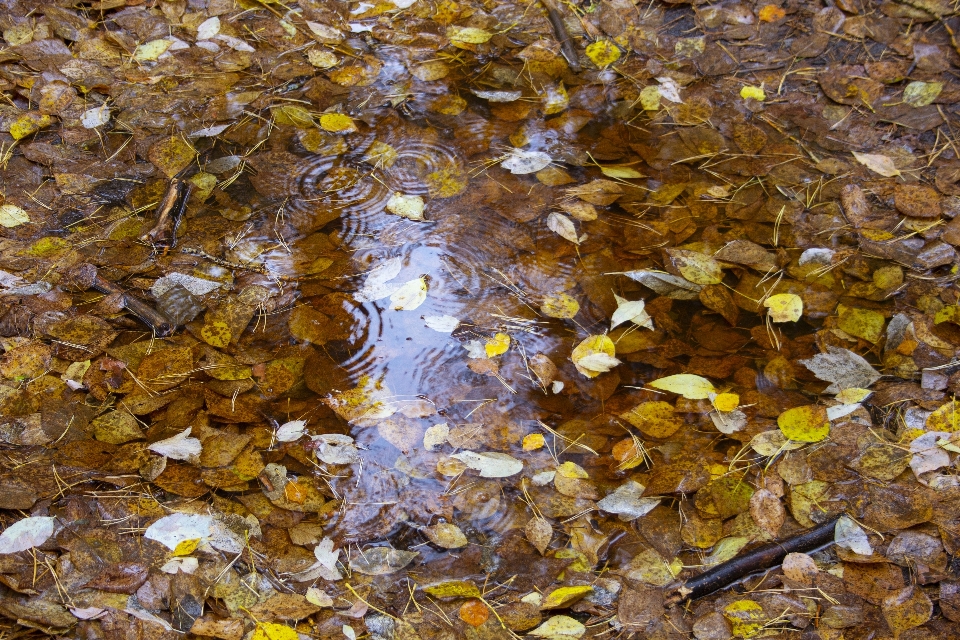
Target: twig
pixel 567 47
pixel 157 321
pixel 164 232
pixel 761 558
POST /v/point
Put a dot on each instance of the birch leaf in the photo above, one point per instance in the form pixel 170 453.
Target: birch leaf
pixel 877 163
pixel 290 431
pixel 630 311
pixel 178 447
pixel 563 227
pixel 26 534
pixel 849 535
pixel 687 385
pixel 490 464
pixel 410 295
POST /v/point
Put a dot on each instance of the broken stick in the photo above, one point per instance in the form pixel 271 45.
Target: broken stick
pixel 567 47
pixel 172 207
pixel 154 319
pixel 759 559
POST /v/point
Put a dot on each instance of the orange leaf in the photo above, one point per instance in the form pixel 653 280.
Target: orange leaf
pixel 772 13
pixel 474 612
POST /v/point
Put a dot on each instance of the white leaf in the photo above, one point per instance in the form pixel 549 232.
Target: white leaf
pixel 95 117
pixel 325 567
pixel 849 535
pixel 559 627
pixel 173 529
pixel 498 96
pixel 26 534
pixel 375 285
pixel 563 227
pixel 12 216
pixel 927 456
pixel 86 613
pixel 669 89
pixel 632 311
pixel 557 386
pixel 211 132
pixel 435 436
pixel 443 324
pixel 628 502
pixel 840 410
pixel 844 368
pixel 180 565
pixel 208 28
pixel 490 464
pixel 729 421
pixel 335 448
pixel 521 162
pixel 235 43
pixel 410 295
pixel 405 206
pixel 196 286
pixel 598 362
pixel 290 431
pixel 349 632
pixel 179 447
pixel 319 598
pixel 324 33
pixel 878 163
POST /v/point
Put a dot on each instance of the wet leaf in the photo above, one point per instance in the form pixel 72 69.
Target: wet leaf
pixel 405 206
pixel 273 631
pixel 784 307
pixel 595 355
pixel 563 227
pixel 453 589
pixel 877 163
pixel 849 535
pixel 378 561
pixel 753 93
pixel 150 51
pixel 410 295
pixel 497 345
pixel 559 627
pixel 178 447
pixel 687 385
pixel 920 94
pixel 907 609
pixel 726 402
pixel 630 311
pixel 560 305
pixel 843 368
pixel 746 617
pixel 539 533
pixel 468 35
pixel 490 464
pixel 562 597
pixel 171 155
pixel 337 123
pixel 804 424
pixel 474 612
pixel 627 501
pixel 603 53
pixel 95 117
pixel 946 418
pixel 177 528
pixel 446 535
pixel 696 267
pixel 13 216
pixel 290 431
pixel 654 419
pixel 26 533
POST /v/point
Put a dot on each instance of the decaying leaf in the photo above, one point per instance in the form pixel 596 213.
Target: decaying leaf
pixel 378 561
pixel 490 464
pixel 26 534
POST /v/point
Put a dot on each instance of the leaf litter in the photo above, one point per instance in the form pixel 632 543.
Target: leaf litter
pixel 412 320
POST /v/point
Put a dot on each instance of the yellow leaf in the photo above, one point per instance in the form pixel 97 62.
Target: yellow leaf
pixel 746 617
pixel 655 419
pixel 293 115
pixel 595 355
pixel 726 402
pixel 29 123
pixel 560 306
pixel 337 123
pixel 186 547
pixel 322 59
pixel 877 163
pixel 946 418
pixel 468 35
pixel 12 216
pixel 216 334
pixel 572 470
pixel 603 53
pixel 620 172
pixel 453 589
pixel 804 424
pixel 698 268
pixel 497 345
pixel 920 94
pixel 756 93
pixel 565 596
pixel 687 385
pixel 650 98
pixel 150 51
pixel 861 323
pixel 272 631
pixel 784 307
pixel 771 13
pixel 853 395
pixel 533 442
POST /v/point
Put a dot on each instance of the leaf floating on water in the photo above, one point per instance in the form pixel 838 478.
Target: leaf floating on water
pixel 620 172
pixel 563 227
pixel 877 163
pixel 468 35
pixel 521 162
pixel 179 447
pixel 405 206
pixel 498 96
pixel 26 534
pixel 726 402
pixel 446 535
pixel 627 501
pixel 784 307
pixel 753 93
pixel 630 311
pixel 497 345
pixel 12 216
pixel 689 386
pixel 595 355
pixel 443 324
pixel 171 530
pixel 410 295
pixel 453 589
pixel 335 448
pixel 290 431
pixel 849 535
pixel 490 464
pixel 539 533
pixel 380 561
pixel 337 123
pixel 666 284
pixel 562 597
pixel 273 631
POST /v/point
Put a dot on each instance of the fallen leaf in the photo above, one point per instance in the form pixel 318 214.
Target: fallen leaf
pixel 603 53
pixel 804 424
pixel 849 535
pixel 490 464
pixel 26 534
pixel 378 561
pixel 13 216
pixel 521 162
pixel 784 307
pixel 595 355
pixel 563 227
pixel 877 163
pixel 178 447
pixel 689 386
pixel 410 207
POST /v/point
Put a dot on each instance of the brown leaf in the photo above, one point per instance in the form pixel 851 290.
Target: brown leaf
pixel 120 577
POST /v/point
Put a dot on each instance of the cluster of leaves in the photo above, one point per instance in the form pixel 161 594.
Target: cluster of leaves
pixel 478 336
